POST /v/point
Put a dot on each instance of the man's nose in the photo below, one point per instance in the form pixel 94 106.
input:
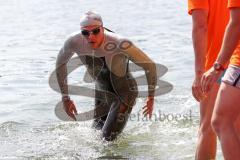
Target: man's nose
pixel 91 36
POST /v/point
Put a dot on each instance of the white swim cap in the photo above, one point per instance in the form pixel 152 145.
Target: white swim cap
pixel 91 19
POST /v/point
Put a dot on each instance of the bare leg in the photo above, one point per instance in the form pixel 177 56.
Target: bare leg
pixel 226 112
pixel 206 145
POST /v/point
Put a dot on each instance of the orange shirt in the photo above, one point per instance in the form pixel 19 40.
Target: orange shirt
pixel 218 17
pixel 235 59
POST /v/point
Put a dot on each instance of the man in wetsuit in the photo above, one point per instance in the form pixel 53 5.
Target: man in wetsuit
pixel 106 56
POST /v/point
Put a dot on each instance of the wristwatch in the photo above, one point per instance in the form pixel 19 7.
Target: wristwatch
pixel 65 98
pixel 218 67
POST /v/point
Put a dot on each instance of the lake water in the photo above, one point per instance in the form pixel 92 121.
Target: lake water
pixel 32 32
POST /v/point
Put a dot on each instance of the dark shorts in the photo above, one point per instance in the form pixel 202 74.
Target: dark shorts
pixel 221 76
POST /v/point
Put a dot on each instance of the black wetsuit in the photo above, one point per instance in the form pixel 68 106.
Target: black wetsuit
pixel 111 92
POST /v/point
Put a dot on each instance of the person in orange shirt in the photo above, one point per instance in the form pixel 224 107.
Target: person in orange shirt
pixel 210 18
pixel 227 106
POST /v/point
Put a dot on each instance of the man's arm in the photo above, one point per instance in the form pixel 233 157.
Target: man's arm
pixel 61 70
pixel 199 38
pixel 141 59
pixel 231 37
pixel 61 67
pixel 230 41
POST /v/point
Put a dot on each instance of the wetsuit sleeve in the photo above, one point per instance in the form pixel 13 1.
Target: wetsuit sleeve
pixel 64 56
pixel 141 59
pixel 197 4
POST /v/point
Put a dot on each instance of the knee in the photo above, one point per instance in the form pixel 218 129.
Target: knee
pixel 216 124
pixel 220 123
pixel 206 129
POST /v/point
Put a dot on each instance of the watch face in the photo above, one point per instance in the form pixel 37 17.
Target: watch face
pixel 216 66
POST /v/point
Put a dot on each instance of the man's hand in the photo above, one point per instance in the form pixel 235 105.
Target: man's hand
pixel 208 79
pixel 196 88
pixel 148 108
pixel 70 108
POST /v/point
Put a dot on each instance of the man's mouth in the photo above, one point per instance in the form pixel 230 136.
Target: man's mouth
pixel 91 42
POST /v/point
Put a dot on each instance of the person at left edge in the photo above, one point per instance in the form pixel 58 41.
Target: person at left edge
pixel 106 56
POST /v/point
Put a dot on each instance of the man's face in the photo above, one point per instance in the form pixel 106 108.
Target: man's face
pixel 94 35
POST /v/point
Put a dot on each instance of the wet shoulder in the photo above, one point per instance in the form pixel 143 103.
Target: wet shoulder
pixel 74 40
pixel 114 40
